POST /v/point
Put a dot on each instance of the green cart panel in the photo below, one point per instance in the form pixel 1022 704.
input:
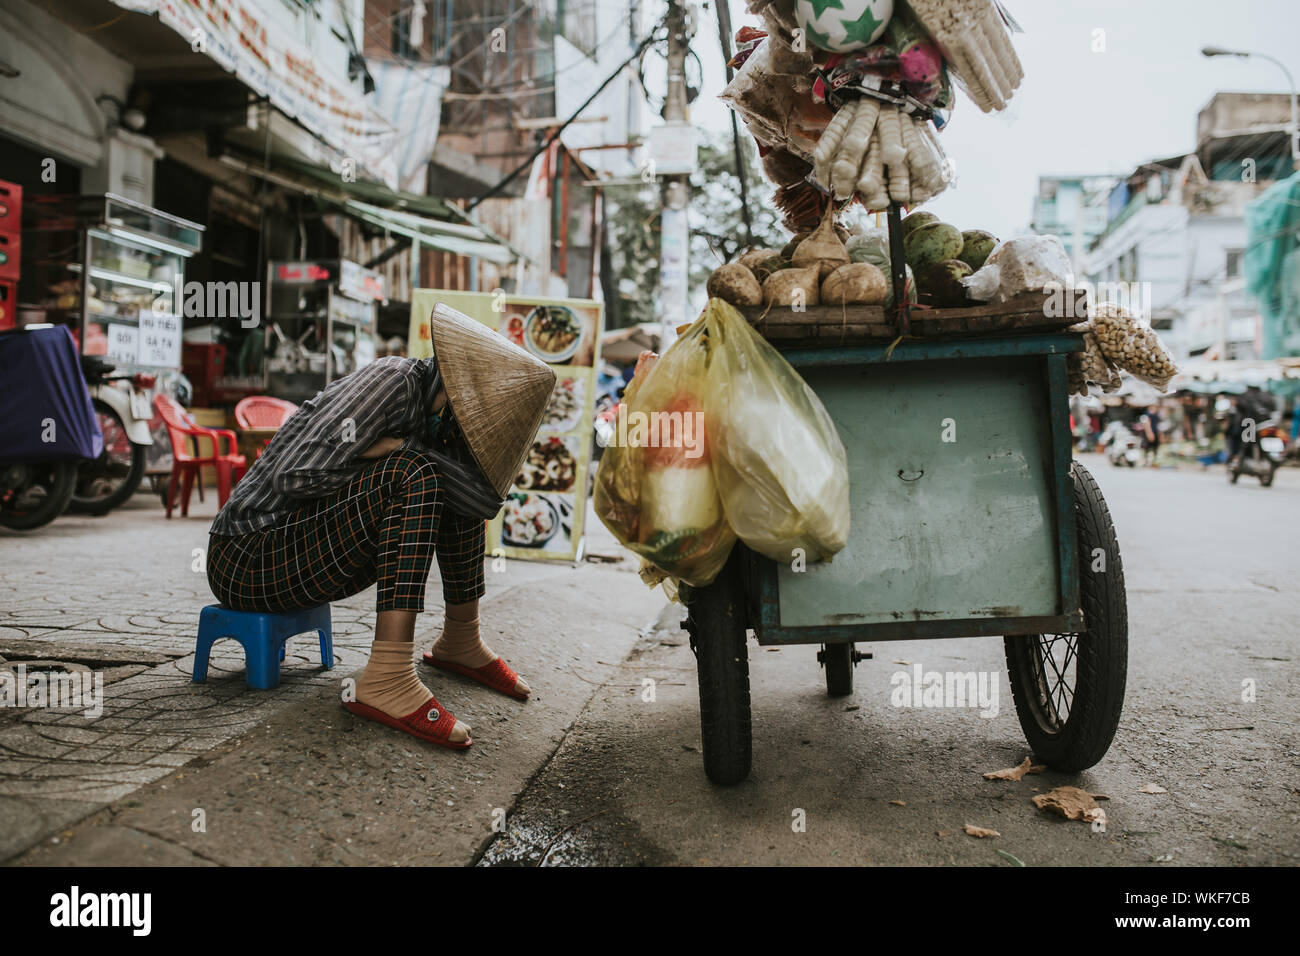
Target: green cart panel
pixel 951 530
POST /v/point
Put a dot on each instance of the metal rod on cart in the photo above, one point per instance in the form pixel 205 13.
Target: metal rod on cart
pixel 898 270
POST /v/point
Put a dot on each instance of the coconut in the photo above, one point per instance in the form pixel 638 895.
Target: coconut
pixel 942 282
pixel 931 243
pixel 976 246
pixel 916 219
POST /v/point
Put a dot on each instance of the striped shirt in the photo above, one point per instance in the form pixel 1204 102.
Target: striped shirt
pixel 318 449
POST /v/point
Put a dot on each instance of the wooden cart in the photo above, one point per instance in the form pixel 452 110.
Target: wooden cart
pixel 969 518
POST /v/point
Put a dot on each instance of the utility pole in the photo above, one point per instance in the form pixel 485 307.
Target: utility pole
pixel 675 236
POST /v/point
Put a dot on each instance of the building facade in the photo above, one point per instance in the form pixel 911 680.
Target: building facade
pixel 1176 227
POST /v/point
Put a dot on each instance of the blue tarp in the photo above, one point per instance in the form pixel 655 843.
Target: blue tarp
pixel 1273 265
pixel 45 409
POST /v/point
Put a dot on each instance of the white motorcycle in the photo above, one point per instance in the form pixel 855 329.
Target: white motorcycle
pixel 1122 446
pixel 124 406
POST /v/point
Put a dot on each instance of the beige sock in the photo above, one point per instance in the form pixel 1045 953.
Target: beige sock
pixel 389 683
pixel 460 642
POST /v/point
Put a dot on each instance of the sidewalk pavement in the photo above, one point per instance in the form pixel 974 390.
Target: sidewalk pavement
pixel 178 773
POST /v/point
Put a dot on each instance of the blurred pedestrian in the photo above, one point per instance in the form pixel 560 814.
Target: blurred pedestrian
pixel 1149 430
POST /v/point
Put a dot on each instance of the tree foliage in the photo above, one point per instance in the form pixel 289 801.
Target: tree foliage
pixel 717 226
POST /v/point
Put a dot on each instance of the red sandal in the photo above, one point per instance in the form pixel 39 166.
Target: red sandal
pixel 430 722
pixel 496 674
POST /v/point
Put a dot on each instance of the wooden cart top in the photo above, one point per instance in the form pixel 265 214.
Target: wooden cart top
pixel 826 325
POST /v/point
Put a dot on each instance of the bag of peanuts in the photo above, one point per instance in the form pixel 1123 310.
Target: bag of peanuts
pixel 1090 367
pixel 1132 345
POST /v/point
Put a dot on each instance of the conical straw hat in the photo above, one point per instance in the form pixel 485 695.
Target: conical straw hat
pixel 497 392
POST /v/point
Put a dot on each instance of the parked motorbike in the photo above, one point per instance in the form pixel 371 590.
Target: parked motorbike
pixel 123 415
pixel 1260 458
pixel 1123 448
pixel 47 424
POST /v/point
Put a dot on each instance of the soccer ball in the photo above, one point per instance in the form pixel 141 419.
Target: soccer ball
pixel 842 25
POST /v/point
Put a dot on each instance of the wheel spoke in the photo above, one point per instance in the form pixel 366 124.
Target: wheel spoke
pixel 1057 687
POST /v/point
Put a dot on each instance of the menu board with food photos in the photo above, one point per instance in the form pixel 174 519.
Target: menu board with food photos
pixel 546 508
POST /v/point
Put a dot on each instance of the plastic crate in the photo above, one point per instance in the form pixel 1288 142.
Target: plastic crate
pixel 11 207
pixel 11 249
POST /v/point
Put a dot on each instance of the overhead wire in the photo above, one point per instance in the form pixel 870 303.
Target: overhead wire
pixel 555 133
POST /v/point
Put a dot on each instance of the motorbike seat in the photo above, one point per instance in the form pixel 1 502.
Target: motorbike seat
pixel 94 368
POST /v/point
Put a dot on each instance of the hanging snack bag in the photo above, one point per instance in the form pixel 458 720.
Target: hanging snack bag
pixel 1132 345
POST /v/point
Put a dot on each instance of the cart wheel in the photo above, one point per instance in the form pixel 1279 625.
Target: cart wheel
pixel 1069 688
pixel 718 638
pixel 838 661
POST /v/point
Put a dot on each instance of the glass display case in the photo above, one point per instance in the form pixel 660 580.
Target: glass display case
pixel 320 324
pixel 113 271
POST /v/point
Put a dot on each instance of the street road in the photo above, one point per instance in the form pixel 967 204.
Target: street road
pixel 591 772
pixel 1212 573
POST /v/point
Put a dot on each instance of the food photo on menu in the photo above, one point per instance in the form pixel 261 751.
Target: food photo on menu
pixel 543 522
pixel 556 334
pixel 564 410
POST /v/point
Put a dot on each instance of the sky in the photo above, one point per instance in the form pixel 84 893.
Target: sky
pixel 1079 111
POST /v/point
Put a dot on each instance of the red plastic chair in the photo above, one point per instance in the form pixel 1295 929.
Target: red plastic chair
pixel 262 412
pixel 187 465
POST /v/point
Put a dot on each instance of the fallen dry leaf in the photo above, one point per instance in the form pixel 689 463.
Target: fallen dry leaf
pixel 943 833
pixel 980 832
pixel 1151 788
pixel 1015 773
pixel 1070 802
pixel 898 803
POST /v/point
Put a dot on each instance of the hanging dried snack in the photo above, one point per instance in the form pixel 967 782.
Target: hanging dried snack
pixel 853 149
pixel 894 153
pixel 977 46
pixel 828 146
pixel 1132 345
pixel 871 185
pixel 1090 367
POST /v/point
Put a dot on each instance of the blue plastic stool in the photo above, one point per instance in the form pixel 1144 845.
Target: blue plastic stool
pixel 263 637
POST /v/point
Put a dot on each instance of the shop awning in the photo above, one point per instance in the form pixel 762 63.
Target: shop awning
pixel 464 238
pixel 430 220
pixel 435 222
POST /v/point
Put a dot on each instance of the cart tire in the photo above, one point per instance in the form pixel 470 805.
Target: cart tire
pixel 717 626
pixel 838 661
pixel 1079 738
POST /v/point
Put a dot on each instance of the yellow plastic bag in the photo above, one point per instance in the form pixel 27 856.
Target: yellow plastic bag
pixel 654 489
pixel 778 461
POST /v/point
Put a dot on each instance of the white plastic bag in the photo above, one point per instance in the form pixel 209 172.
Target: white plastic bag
pixel 1026 264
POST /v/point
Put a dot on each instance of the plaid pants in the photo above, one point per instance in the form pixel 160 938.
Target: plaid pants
pixel 384 526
